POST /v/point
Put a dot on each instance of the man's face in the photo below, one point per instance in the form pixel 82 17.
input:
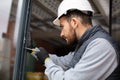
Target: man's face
pixel 67 32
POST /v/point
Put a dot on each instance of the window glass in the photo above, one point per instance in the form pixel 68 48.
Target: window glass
pixel 8 10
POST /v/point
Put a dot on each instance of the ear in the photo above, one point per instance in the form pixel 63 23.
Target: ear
pixel 74 22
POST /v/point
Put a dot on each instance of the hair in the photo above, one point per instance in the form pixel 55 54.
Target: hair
pixel 85 17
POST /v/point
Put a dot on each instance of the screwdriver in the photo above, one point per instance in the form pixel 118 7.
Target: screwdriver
pixel 29 49
pixel 34 50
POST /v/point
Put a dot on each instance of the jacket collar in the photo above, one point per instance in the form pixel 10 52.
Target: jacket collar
pixel 88 34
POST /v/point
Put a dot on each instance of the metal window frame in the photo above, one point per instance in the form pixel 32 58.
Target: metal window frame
pixel 23 22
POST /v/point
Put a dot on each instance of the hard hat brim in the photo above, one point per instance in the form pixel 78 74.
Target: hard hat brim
pixel 56 22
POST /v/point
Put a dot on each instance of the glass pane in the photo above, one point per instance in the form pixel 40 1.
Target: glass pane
pixel 8 10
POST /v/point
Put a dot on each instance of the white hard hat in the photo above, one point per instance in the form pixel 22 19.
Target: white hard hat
pixel 82 5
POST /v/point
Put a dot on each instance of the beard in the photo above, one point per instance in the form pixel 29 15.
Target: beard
pixel 73 40
pixel 72 44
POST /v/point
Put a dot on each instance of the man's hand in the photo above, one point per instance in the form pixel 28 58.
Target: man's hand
pixel 40 54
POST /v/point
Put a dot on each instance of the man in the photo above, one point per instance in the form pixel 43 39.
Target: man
pixel 95 56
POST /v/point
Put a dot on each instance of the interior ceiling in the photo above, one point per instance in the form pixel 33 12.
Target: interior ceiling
pixel 45 11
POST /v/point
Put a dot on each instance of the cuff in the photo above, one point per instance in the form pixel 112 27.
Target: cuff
pixel 48 62
pixel 47 59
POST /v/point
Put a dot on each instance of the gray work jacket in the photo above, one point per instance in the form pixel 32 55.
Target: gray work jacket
pixel 97 62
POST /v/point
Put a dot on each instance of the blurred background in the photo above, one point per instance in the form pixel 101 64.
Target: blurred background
pixel 28 23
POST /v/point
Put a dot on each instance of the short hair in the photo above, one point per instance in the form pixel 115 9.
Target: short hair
pixel 85 16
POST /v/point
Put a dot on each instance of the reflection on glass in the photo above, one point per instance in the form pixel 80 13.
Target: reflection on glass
pixel 5 7
pixel 8 10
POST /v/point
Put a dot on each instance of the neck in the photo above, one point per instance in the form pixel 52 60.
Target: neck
pixel 81 30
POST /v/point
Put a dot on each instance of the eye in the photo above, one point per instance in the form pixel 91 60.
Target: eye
pixel 61 26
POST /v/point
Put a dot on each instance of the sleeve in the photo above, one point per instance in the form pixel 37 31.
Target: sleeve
pixel 97 63
pixel 62 61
